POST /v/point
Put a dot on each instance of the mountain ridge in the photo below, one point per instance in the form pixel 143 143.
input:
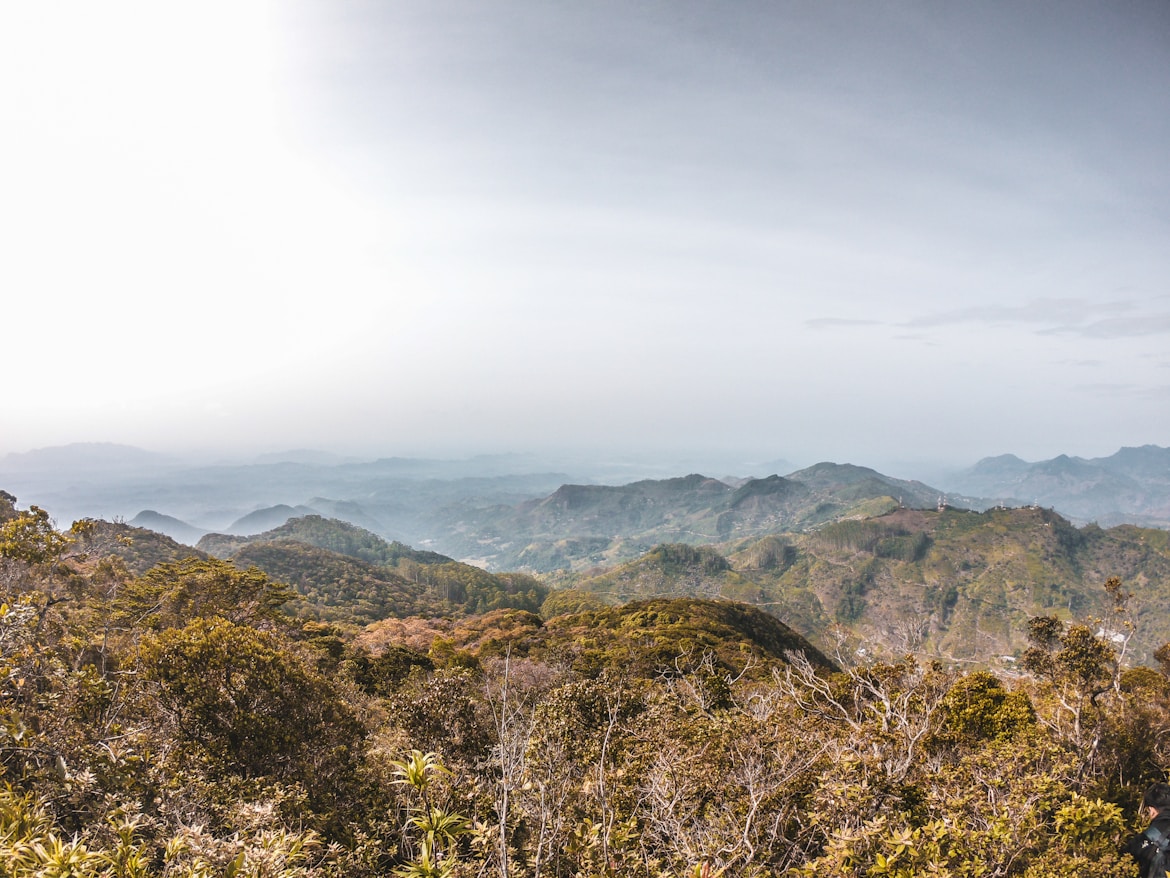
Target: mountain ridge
pixel 552 520
pixel 1130 486
pixel 947 584
pixel 583 525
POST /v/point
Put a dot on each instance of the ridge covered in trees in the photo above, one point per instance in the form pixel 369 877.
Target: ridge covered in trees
pixel 578 526
pixel 949 584
pixel 344 573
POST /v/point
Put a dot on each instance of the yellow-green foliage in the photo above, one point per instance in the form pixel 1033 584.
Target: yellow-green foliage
pixel 30 537
pixel 340 588
pixel 980 708
pixel 171 595
pixel 564 601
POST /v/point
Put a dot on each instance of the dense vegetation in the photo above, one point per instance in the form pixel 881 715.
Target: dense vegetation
pixel 949 584
pixel 345 574
pixel 188 720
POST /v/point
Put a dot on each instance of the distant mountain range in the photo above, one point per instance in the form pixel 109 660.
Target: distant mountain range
pixel 519 511
pixel 584 525
pixel 396 497
pixel 1131 486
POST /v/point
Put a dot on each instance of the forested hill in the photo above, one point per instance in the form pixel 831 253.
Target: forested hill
pixel 325 533
pixel 642 638
pixel 348 574
pixel 139 548
pixel 579 526
pixel 952 584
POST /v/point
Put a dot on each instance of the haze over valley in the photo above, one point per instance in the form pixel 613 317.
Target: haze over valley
pixel 442 503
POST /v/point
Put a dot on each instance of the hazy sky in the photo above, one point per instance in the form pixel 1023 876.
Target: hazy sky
pixel 851 231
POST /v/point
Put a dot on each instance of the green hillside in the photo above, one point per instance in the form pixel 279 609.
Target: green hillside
pixel 582 526
pixel 671 569
pixel 656 633
pixel 640 638
pixel 138 547
pixel 347 574
pixel 954 584
pixel 325 533
pixel 337 588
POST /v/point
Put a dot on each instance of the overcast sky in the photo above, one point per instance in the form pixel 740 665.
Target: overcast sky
pixel 848 231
